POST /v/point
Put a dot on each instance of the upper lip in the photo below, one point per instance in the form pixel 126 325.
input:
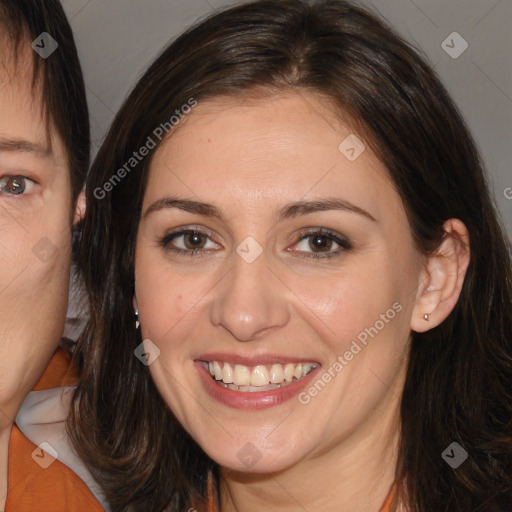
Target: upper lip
pixel 253 360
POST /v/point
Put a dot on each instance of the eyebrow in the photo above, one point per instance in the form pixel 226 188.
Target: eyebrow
pixel 23 146
pixel 289 211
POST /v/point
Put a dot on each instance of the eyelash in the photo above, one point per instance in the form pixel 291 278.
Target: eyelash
pixel 331 235
pixel 165 242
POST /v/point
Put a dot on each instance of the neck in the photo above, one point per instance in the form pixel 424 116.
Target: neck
pixel 356 474
pixel 5 435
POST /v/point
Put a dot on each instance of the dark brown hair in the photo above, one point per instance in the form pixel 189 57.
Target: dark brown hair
pixel 458 385
pixel 63 89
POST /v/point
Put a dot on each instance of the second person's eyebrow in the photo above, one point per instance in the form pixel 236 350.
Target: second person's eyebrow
pixel 290 210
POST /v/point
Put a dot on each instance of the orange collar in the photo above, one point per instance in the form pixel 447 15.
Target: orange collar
pixel 36 480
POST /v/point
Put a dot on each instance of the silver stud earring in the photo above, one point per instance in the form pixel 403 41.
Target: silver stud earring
pixel 426 317
pixel 137 323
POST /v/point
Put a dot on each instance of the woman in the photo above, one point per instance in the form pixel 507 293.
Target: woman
pixel 297 214
pixel 44 156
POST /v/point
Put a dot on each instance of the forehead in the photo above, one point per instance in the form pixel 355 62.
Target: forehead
pixel 21 103
pixel 287 141
pixel 20 99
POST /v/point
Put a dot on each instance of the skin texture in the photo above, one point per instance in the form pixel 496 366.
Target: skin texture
pixel 35 243
pixel 250 157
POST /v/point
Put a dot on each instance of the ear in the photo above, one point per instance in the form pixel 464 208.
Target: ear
pixel 442 277
pixel 79 208
pixel 134 302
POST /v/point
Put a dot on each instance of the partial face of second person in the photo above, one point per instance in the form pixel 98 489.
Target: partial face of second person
pixel 35 227
pixel 264 281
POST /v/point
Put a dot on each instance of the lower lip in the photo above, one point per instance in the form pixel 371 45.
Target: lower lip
pixel 252 400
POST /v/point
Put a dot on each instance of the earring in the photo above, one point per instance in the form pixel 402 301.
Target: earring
pixel 426 317
pixel 137 323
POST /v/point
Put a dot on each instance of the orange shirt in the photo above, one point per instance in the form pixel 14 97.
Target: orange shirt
pixel 55 488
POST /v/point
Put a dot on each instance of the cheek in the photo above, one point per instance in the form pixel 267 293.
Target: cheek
pixel 34 279
pixel 50 248
pixel 167 301
pixel 36 254
pixel 343 305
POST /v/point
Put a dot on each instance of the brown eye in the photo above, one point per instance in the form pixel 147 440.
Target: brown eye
pixel 320 243
pixel 189 241
pixel 194 240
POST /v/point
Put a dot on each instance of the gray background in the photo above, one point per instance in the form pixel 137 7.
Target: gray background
pixel 117 40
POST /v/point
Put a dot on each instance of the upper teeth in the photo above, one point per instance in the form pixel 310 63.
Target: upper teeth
pixel 260 375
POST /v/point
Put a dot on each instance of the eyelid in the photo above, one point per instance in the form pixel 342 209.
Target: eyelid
pixel 192 227
pixel 319 229
pixel 20 174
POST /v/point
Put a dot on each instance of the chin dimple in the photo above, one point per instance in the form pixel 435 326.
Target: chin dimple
pixel 257 378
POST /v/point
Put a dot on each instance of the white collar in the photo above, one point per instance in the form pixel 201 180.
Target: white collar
pixel 42 418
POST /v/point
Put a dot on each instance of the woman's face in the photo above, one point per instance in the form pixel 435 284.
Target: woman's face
pixel 273 255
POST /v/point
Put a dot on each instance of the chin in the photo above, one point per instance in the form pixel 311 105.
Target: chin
pixel 250 457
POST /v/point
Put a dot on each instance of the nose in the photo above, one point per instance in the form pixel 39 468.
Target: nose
pixel 250 301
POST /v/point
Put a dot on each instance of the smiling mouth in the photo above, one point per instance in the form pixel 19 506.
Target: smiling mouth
pixel 238 377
